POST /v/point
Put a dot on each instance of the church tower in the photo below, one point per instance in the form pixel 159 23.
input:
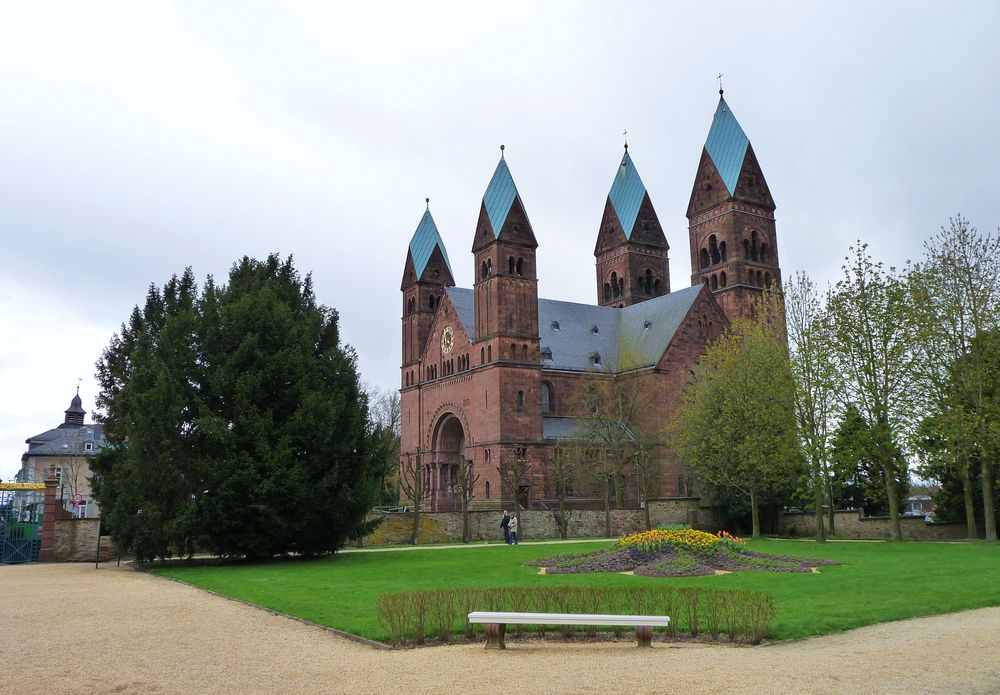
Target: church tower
pixel 631 249
pixel 731 219
pixel 426 273
pixel 506 286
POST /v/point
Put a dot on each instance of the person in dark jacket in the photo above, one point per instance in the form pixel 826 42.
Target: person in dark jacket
pixel 505 525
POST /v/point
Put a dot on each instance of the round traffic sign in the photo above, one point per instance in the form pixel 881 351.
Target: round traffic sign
pixel 77 498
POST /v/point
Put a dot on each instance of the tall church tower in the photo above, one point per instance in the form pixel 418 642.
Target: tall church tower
pixel 734 246
pixel 506 286
pixel 631 249
pixel 425 275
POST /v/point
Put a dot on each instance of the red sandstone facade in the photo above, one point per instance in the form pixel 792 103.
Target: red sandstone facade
pixel 494 375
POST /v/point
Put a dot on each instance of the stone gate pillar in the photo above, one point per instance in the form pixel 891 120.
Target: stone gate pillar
pixel 48 550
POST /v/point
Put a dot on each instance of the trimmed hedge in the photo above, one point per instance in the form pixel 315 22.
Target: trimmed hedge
pixel 738 615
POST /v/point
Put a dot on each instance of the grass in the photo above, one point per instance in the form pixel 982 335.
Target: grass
pixel 875 582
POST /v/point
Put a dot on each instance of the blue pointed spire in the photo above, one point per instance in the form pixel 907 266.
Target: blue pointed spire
pixel 499 196
pixel 727 145
pixel 627 193
pixel 422 245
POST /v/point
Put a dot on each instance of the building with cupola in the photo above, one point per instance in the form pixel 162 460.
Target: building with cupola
pixel 496 376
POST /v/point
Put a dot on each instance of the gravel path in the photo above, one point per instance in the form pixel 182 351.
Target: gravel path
pixel 70 629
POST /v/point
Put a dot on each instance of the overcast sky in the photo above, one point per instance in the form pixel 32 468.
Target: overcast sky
pixel 140 138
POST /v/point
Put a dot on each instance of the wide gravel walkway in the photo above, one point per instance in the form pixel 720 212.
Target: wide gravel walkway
pixel 70 629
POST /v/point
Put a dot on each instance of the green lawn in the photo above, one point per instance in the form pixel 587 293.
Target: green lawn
pixel 876 582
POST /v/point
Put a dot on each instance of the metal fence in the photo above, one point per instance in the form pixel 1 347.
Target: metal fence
pixel 20 526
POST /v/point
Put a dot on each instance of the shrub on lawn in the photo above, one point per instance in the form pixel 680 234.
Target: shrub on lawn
pixel 740 615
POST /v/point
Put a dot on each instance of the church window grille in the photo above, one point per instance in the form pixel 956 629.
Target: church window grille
pixel 483 272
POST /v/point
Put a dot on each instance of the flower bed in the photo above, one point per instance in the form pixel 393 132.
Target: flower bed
pixel 678 552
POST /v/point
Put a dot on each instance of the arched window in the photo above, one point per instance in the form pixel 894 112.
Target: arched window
pixel 715 282
pixel 607 291
pixel 722 279
pixel 763 253
pixel 621 287
pixel 722 250
pixel 614 284
pixel 703 258
pixel 706 281
pixel 520 266
pixel 513 351
pixel 487 489
pixel 546 397
pixel 713 249
pixel 520 401
pixel 746 249
pixel 482 355
pixel 648 285
pixel 639 284
pixel 767 279
pixel 656 287
pixel 701 328
pixel 754 246
pixel 510 265
pixel 489 353
pixel 483 271
pixel 524 353
pixel 431 301
pixel 760 282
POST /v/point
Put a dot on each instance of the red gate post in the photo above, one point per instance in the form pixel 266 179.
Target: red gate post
pixel 48 549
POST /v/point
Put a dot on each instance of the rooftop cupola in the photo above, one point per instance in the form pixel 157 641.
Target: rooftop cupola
pixel 75 413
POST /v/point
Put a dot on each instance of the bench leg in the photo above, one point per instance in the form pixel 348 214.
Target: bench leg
pixel 495 633
pixel 644 635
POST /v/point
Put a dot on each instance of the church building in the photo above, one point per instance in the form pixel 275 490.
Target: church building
pixel 496 376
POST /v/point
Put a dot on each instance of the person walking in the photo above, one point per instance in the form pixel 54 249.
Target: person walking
pixel 505 525
pixel 512 527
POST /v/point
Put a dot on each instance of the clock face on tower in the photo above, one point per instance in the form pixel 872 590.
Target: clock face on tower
pixel 447 340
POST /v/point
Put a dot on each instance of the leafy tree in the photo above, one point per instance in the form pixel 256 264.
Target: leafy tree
pixel 235 421
pixel 811 357
pixel 736 427
pixel 874 349
pixel 955 295
pixel 859 479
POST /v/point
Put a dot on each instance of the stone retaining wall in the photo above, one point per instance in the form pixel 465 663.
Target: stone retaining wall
pixel 76 541
pixel 443 527
pixel 850 524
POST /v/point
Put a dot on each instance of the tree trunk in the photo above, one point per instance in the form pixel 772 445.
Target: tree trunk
pixel 607 510
pixel 645 505
pixel 818 496
pixel 829 512
pixel 562 517
pixel 989 511
pixel 465 519
pixel 970 510
pixel 892 490
pixel 754 514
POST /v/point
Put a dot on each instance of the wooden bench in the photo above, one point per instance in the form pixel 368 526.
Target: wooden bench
pixel 496 623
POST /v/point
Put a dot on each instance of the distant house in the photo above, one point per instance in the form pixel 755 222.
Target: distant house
pixel 67 450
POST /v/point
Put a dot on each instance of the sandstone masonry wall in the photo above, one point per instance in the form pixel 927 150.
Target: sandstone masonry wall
pixel 76 541
pixel 850 524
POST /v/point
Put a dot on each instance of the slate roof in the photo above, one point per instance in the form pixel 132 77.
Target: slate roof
pixel 727 145
pixel 629 338
pixel 66 441
pixel 627 193
pixel 425 238
pixel 561 428
pixel 499 196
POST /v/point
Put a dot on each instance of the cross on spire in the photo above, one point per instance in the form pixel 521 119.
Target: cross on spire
pixel 625 135
pixel 719 78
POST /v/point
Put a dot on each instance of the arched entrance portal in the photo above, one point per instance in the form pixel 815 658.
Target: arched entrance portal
pixel 449 452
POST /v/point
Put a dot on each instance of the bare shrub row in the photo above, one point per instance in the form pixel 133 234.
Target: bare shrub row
pixel 734 614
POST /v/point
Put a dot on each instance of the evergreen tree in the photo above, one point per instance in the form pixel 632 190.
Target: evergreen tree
pixel 235 420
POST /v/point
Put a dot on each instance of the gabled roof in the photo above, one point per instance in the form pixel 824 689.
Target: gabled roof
pixel 629 338
pixel 463 300
pixel 727 145
pixel 66 441
pixel 627 193
pixel 425 238
pixel 499 197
